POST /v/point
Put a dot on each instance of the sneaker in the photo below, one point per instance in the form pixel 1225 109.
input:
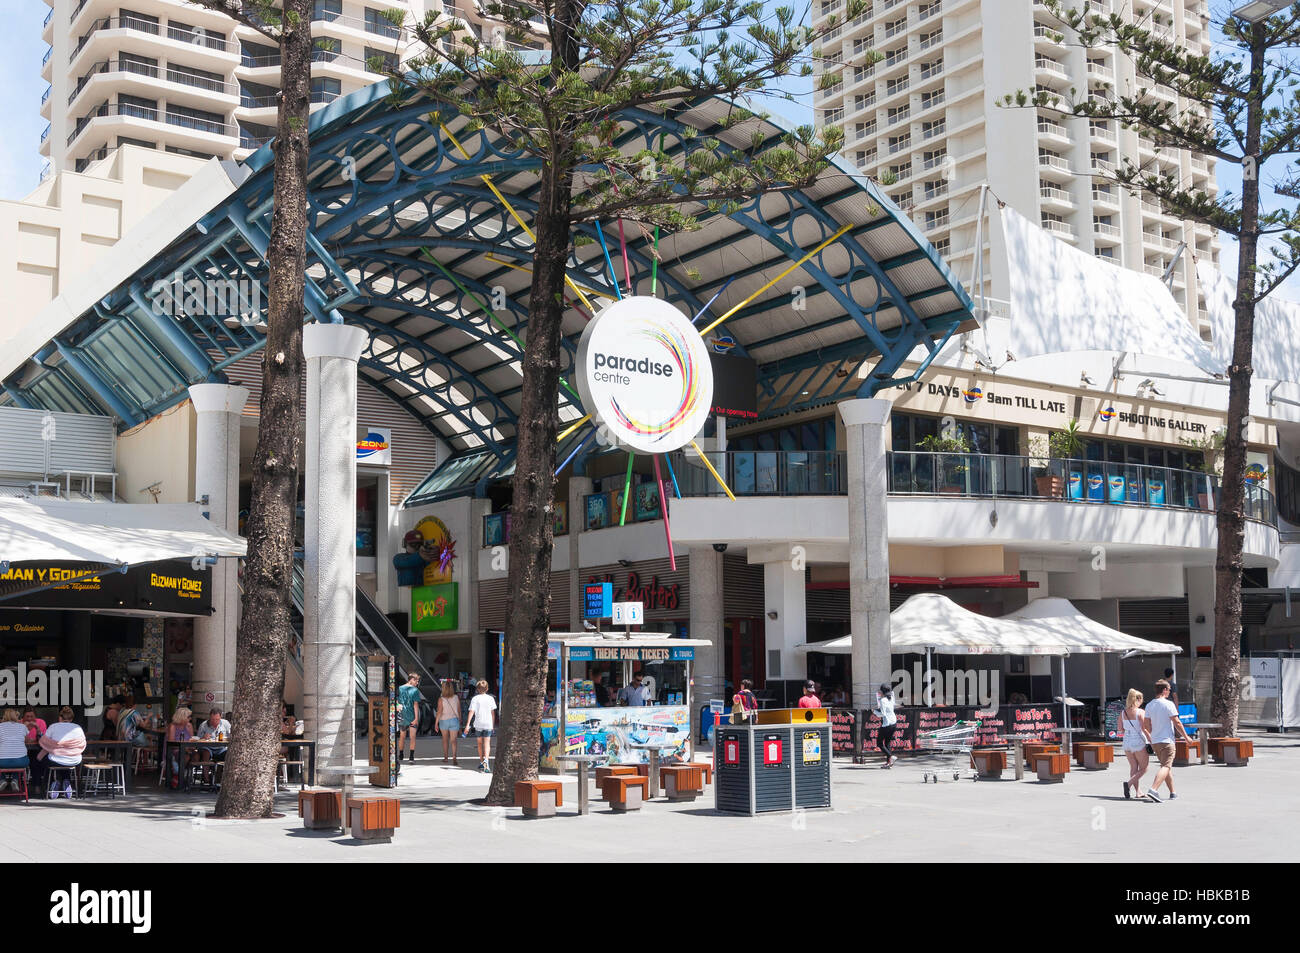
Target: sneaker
pixel 1173 797
pixel 1153 797
pixel 1127 795
pixel 67 790
pixel 52 793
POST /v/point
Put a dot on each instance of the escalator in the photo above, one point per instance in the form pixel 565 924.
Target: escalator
pixel 375 635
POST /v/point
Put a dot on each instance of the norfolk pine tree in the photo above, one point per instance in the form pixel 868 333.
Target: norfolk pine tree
pixel 604 58
pixel 265 622
pixel 1243 109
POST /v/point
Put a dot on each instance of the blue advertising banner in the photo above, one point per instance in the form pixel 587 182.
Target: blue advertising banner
pixel 598 600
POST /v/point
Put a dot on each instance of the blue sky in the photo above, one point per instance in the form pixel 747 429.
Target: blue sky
pixel 21 87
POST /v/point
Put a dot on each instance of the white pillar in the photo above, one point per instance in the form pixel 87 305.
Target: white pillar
pixel 866 422
pixel 217 410
pixel 784 594
pixel 704 576
pixel 329 539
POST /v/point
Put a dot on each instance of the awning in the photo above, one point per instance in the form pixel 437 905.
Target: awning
pixel 930 620
pixel 1062 618
pixel 110 534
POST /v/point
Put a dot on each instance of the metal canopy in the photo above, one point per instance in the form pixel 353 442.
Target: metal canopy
pixel 390 190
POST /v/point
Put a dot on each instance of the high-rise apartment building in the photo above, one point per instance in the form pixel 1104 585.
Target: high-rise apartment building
pixel 171 75
pixel 923 119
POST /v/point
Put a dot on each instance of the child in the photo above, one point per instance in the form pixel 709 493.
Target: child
pixel 481 723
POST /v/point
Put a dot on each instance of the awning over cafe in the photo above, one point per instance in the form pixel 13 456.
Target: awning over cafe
pixel 108 534
pixel 930 620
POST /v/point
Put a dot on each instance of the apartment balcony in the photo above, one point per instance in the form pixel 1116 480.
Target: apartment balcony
pixel 47 27
pixel 1160 241
pixel 1199 164
pixel 1104 231
pixel 47 69
pixel 1055 196
pixel 109 36
pixel 1046 37
pixel 1103 133
pixel 932 10
pixel 897 27
pixel 45 108
pixel 931 130
pixel 1053 130
pixel 1101 72
pixel 1060 229
pixel 1050 67
pixel 1054 166
pixel 180 87
pixel 141 122
pixel 935 38
pixel 1106 197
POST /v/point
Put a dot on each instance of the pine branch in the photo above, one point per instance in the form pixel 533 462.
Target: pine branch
pixel 259 15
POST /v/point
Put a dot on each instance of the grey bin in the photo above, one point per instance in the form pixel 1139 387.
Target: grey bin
pixel 782 763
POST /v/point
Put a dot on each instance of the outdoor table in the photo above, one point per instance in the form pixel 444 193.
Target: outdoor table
pixel 653 750
pixel 1020 751
pixel 193 743
pixel 1204 741
pixel 1068 733
pixel 582 761
pixel 296 742
pixel 348 773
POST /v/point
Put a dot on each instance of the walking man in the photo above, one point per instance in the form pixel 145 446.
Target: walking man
pixel 1162 723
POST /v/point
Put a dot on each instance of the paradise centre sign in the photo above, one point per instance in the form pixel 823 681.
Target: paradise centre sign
pixel 644 373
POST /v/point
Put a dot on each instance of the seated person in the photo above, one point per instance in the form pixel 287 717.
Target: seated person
pixel 35 726
pixel 13 748
pixel 111 715
pixel 62 745
pixel 214 728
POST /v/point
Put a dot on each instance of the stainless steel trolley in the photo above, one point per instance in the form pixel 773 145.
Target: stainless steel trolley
pixel 956 740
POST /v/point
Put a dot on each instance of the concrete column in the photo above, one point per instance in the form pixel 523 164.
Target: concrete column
pixel 866 427
pixel 1200 604
pixel 330 531
pixel 704 575
pixel 579 487
pixel 217 411
pixel 784 594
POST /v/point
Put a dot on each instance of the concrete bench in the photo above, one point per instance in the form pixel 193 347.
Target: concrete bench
pixel 1052 766
pixel 1032 749
pixel 682 782
pixel 610 771
pixel 1184 751
pixel 539 798
pixel 989 762
pixel 625 792
pixel 374 819
pixel 1237 753
pixel 1094 755
pixel 320 810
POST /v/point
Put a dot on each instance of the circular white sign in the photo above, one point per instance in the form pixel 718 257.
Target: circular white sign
pixel 644 373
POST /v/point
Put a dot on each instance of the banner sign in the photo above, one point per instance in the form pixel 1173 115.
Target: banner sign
pixel 1037 720
pixel 375 446
pixel 434 608
pixel 172 586
pixel 597 600
pixel 612 731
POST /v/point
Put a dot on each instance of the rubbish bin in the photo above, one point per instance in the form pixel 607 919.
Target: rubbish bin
pixel 779 762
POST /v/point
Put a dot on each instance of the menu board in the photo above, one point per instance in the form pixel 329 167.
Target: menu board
pixel 842 722
pixel 1035 720
pixel 1110 725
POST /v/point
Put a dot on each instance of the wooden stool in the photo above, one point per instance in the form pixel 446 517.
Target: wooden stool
pixel 1184 751
pixel 989 762
pixel 1052 767
pixel 60 773
pixel 1215 747
pixel 625 792
pixel 103 777
pixel 539 798
pixel 1094 755
pixel 704 766
pixel 682 782
pixel 609 771
pixel 373 819
pixel 1033 749
pixel 1237 753
pixel 320 810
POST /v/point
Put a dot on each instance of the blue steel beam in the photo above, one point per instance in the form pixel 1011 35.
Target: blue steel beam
pixel 98 388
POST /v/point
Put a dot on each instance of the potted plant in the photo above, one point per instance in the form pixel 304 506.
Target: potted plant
pixel 1211 449
pixel 1064 444
pixel 952 470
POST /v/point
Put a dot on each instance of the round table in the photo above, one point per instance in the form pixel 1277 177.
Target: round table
pixel 1068 732
pixel 583 761
pixel 1203 741
pixel 653 751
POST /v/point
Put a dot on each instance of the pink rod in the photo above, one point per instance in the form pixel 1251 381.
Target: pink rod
pixel 663 505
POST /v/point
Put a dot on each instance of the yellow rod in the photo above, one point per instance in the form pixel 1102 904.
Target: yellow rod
pixel 775 280
pixel 487 180
pixel 722 483
pixel 572 427
pixel 595 292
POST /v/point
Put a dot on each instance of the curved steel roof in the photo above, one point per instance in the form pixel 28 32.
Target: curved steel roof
pixel 407 240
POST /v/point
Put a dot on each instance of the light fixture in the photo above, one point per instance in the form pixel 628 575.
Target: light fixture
pixel 1257 10
pixel 772 615
pixel 625 563
pixel 719 547
pixel 1200 619
pixel 1084 379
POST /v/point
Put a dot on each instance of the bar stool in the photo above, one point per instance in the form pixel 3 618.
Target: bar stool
pixel 57 773
pixel 282 773
pixel 8 774
pixel 103 778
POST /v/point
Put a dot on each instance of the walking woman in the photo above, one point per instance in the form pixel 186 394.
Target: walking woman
pixel 1135 743
pixel 448 718
pixel 884 710
pixel 743 703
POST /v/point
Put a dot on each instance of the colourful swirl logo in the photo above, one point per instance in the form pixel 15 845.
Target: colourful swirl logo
pixel 687 372
pixel 1107 413
pixel 972 395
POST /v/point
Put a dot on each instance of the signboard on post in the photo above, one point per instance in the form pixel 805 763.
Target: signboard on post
pixel 597 600
pixel 629 613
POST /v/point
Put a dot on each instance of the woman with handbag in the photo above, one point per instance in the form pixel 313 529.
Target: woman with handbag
pixel 743 703
pixel 1137 747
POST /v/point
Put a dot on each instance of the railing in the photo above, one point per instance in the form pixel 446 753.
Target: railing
pixel 1061 228
pixel 935 220
pixel 934 39
pixel 112 66
pixel 1050 65
pixel 46 134
pixel 1054 162
pixel 1047 127
pixel 765 473
pixel 934 129
pixel 202 125
pixel 46 58
pixel 253 142
pixel 1054 194
pixel 934 161
pixel 114 23
pixel 45 96
pixel 930 100
pixel 895 28
pixel 196 36
pixel 199 82
pixel 895 86
pixel 46 171
pixel 1104 195
pixel 1101 228
pixel 150 113
pixel 50 16
pixel 933 9
pixel 80 6
pixel 900 145
pixel 932 69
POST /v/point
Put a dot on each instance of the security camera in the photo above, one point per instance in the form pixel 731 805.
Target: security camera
pixel 1085 379
pixel 719 547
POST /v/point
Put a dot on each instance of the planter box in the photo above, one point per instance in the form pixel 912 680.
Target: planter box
pixel 1052 487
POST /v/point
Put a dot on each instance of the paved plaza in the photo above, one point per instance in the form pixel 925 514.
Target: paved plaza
pixel 1238 814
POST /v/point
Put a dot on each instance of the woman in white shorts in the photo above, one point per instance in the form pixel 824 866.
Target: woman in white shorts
pixel 1132 720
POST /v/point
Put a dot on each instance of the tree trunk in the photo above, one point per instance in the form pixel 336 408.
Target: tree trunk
pixel 1231 519
pixel 532 510
pixel 265 625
